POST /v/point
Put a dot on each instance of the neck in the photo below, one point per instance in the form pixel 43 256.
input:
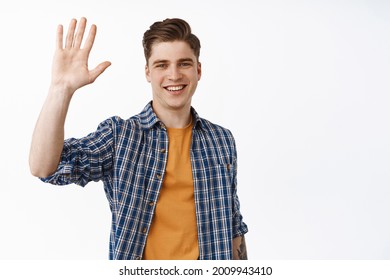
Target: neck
pixel 174 118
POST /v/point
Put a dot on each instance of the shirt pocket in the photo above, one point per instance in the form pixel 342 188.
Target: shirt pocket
pixel 220 172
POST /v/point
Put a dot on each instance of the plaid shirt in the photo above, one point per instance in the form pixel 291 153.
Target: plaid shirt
pixel 130 157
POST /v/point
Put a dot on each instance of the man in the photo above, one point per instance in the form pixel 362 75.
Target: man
pixel 169 175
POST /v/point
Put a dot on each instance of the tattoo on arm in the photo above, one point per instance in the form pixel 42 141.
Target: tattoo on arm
pixel 241 253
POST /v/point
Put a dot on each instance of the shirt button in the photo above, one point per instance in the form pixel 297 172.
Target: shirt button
pixel 228 166
pixel 158 176
pixel 144 230
pixel 162 151
pixel 151 203
pixel 138 258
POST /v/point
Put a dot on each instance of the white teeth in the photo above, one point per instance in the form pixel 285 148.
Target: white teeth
pixel 175 88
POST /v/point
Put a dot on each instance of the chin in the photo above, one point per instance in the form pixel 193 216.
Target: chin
pixel 176 106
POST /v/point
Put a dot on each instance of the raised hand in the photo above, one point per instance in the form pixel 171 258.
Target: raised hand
pixel 70 64
pixel 69 73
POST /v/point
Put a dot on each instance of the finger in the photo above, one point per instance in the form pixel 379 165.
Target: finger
pixel 91 38
pixel 94 73
pixel 70 35
pixel 60 32
pixel 80 33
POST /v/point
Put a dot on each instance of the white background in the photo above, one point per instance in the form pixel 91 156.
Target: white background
pixel 303 85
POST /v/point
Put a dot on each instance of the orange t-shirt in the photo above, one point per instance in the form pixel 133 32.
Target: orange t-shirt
pixel 173 233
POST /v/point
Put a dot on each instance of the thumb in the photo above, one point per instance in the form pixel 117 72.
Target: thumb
pixel 98 70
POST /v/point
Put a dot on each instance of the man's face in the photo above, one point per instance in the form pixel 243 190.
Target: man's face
pixel 173 72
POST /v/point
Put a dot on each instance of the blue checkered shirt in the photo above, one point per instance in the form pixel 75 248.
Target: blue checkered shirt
pixel 130 157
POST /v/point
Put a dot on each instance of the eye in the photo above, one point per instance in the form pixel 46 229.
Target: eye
pixel 161 65
pixel 184 64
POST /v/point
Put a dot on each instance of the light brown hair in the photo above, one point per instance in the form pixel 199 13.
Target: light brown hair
pixel 170 30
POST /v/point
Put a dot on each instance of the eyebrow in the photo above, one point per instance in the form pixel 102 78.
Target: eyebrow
pixel 167 61
pixel 186 59
pixel 160 61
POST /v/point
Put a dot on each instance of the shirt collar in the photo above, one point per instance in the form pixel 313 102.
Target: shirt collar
pixel 149 119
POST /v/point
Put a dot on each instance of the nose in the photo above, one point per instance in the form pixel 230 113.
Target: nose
pixel 174 73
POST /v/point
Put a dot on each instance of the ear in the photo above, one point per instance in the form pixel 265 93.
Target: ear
pixel 147 73
pixel 199 69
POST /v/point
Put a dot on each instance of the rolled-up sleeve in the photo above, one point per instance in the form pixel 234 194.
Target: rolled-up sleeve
pixel 86 159
pixel 239 227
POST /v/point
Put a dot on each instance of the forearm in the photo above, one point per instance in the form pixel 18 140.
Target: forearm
pixel 69 73
pixel 239 248
pixel 48 136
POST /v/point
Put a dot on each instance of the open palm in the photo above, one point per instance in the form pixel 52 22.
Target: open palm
pixel 70 63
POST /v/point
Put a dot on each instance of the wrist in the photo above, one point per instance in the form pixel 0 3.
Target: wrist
pixel 60 94
pixel 62 90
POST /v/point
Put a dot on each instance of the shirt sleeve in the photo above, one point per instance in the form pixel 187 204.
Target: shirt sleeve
pixel 239 227
pixel 86 159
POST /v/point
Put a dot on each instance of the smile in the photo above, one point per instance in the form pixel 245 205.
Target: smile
pixel 175 88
